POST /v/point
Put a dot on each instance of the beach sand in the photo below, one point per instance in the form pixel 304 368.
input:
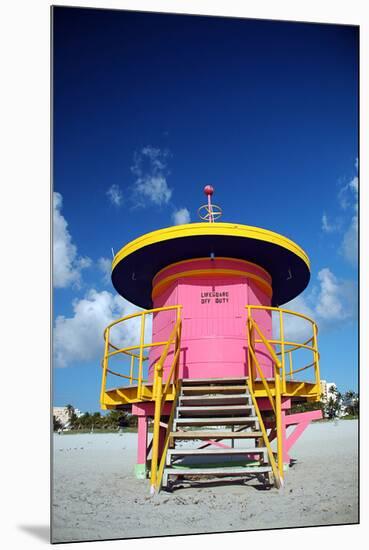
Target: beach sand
pixel 96 496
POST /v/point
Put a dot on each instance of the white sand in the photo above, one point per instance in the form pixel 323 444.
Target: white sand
pixel 96 495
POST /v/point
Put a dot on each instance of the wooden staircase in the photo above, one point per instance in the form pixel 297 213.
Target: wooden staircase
pixel 215 410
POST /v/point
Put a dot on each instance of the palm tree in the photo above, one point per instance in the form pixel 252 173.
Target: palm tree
pixel 71 415
pixel 70 410
pixel 334 402
pixel 56 424
pixel 351 400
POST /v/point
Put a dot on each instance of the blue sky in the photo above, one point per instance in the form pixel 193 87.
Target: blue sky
pixel 148 108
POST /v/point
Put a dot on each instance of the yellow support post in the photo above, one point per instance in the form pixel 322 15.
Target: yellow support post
pixel 277 479
pixel 155 438
pixel 278 420
pixel 159 476
pixel 177 344
pixel 264 382
pixel 105 366
pixel 291 364
pixel 131 369
pixel 316 358
pixel 281 336
pixel 140 361
pixel 250 348
pixel 177 351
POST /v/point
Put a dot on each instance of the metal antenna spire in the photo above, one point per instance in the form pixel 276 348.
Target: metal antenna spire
pixel 209 212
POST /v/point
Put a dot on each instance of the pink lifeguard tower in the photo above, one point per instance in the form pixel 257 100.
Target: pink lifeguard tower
pixel 216 368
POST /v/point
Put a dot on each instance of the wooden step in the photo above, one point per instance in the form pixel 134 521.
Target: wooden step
pixel 215 381
pixel 215 434
pixel 212 389
pixel 216 420
pixel 235 399
pixel 209 451
pixel 218 451
pixel 216 409
pixel 225 471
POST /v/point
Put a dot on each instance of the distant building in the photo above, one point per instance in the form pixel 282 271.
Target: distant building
pixel 349 403
pixel 62 415
pixel 325 388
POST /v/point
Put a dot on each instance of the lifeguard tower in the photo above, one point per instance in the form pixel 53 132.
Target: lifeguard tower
pixel 214 367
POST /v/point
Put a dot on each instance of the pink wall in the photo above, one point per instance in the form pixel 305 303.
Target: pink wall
pixel 214 317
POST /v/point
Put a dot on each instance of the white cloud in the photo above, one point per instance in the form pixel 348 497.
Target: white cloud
pixel 348 194
pixel 150 169
pixel 343 197
pixel 354 185
pixel 67 265
pixel 330 303
pixel 349 246
pixel 348 201
pixel 328 227
pixel 350 242
pixel 80 338
pixel 181 216
pixel 115 195
pixel 104 265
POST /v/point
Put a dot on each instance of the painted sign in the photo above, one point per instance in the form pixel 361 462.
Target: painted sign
pixel 216 297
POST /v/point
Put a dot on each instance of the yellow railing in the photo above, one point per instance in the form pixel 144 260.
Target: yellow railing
pixel 135 352
pixel 161 388
pixel 274 389
pixel 278 349
pixel 275 401
pixel 275 468
pixel 287 347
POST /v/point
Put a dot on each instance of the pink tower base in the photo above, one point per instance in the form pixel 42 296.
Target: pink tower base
pixel 145 412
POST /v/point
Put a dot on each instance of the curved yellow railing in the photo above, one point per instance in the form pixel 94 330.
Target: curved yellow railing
pixel 136 352
pixel 288 347
pixel 277 388
pixel 160 387
pixel 160 394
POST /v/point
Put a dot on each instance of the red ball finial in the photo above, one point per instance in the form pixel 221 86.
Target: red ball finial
pixel 208 190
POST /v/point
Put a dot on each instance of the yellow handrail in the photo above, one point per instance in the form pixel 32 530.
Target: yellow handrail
pixel 140 360
pixel 128 377
pixel 281 332
pixel 138 313
pixel 131 369
pixel 160 395
pixel 166 440
pixel 276 403
pixel 266 343
pixel 290 363
pixel 288 311
pixel 105 367
pixel 261 374
pixel 177 385
pixel 138 346
pixel 288 346
pixel 279 368
pixel 303 368
pixel 288 343
pixel 277 479
pixel 316 357
pixel 129 350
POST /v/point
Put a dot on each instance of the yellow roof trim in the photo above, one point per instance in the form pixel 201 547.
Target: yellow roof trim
pixel 200 229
